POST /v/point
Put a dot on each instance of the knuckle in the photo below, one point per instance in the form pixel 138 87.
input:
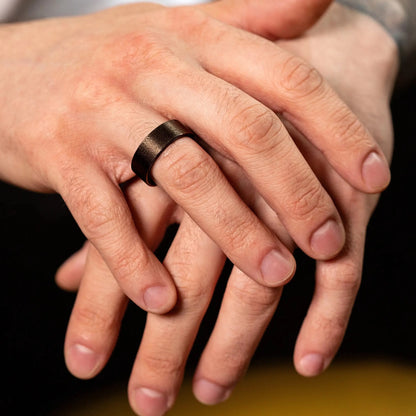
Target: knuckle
pixel 189 170
pixel 309 199
pixel 94 320
pixel 255 298
pixel 126 266
pixel 83 202
pixel 194 293
pixel 102 217
pixel 100 222
pixel 99 216
pixel 137 50
pixel 103 220
pixel 195 25
pixel 162 363
pixel 299 79
pixel 53 132
pixel 255 129
pixel 330 327
pixel 194 299
pixel 235 360
pixel 240 232
pixel 93 92
pixel 190 18
pixel 346 282
pixel 349 131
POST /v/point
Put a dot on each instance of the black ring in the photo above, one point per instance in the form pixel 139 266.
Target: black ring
pixel 153 146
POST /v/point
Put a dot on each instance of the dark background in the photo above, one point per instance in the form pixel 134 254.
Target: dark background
pixel 37 234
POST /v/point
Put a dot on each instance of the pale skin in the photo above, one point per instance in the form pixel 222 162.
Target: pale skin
pixel 335 47
pixel 79 94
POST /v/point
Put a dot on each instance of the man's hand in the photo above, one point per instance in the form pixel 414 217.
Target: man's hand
pixel 79 94
pixel 336 47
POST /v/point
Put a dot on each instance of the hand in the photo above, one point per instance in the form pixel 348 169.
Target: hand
pixel 366 85
pixel 167 339
pixel 78 94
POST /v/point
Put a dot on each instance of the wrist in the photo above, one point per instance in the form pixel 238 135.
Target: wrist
pixel 398 18
pixel 373 51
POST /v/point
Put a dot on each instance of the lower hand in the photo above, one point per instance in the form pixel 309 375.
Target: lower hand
pixel 159 367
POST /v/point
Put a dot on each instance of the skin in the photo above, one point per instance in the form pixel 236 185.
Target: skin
pixel 335 46
pixel 398 17
pixel 83 97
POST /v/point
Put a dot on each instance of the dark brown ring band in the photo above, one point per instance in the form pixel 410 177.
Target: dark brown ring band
pixel 153 146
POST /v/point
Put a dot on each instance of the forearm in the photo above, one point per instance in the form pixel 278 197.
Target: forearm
pixel 398 17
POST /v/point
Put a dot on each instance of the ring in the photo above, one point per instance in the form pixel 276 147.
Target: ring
pixel 153 146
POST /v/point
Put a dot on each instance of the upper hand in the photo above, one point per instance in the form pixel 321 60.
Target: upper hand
pixel 160 363
pixel 78 95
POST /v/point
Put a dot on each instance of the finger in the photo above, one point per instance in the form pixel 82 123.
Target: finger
pixel 191 177
pixel 105 218
pixel 95 319
pixel 288 85
pixel 269 18
pixel 246 190
pixel 195 263
pixel 254 137
pixel 246 310
pixel 100 304
pixel 337 284
pixel 152 210
pixel 141 199
pixel 68 276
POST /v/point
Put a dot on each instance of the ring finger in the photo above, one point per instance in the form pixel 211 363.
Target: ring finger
pixel 158 370
pixel 190 176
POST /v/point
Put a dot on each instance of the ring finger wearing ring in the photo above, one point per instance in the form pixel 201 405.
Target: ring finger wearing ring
pixel 195 182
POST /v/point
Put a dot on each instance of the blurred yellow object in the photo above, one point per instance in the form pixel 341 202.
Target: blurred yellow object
pixel 356 388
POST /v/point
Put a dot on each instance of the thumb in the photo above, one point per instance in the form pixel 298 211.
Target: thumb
pixel 272 19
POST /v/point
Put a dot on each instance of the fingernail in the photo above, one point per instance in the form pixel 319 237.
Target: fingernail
pixel 82 361
pixel 328 239
pixel 210 393
pixel 376 172
pixel 311 365
pixel 156 298
pixel 150 402
pixel 276 268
